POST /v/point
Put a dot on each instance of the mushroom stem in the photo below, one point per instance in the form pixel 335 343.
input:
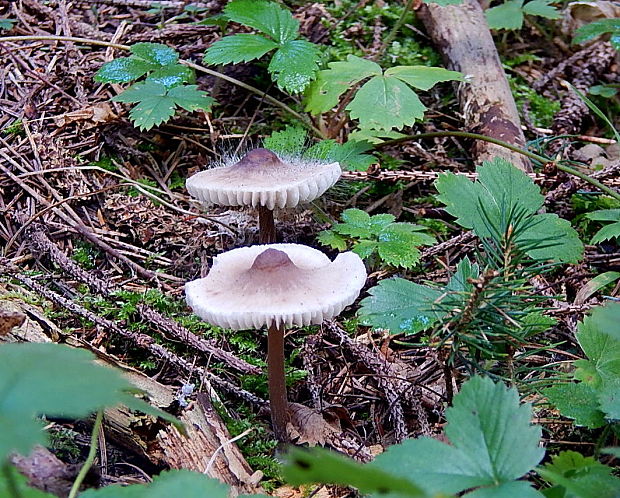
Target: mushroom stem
pixel 277 382
pixel 266 226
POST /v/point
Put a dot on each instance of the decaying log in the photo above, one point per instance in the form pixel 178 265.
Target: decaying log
pixel 462 35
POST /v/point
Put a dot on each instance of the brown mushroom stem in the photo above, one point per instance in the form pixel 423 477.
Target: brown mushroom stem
pixel 277 382
pixel 266 226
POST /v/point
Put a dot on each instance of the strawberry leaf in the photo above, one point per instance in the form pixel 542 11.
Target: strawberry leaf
pixel 267 17
pixel 123 70
pixel 155 53
pixel 238 48
pixel 294 65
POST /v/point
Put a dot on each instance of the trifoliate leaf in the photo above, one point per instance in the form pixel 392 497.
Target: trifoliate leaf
pixel 156 53
pixel 591 30
pixel 384 103
pixel 123 69
pixel 49 379
pixel 602 350
pixel 322 466
pixel 398 244
pixel 331 239
pixel 169 483
pixel 290 141
pixel 542 8
pixel 294 65
pixel 492 443
pixel 171 76
pixel 356 224
pixel 331 83
pixel 400 306
pixel 508 15
pixel 577 401
pixel 238 48
pixel 267 17
pixel 423 77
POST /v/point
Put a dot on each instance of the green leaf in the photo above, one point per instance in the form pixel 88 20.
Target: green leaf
pixel 522 489
pixel 400 306
pixel 602 349
pixel 7 23
pixel 169 483
pixel 595 284
pixel 155 53
pixel 49 379
pixel 268 17
pixel 294 65
pixel 21 485
pixel 607 318
pixel 123 70
pixel 190 98
pixel 555 239
pixel 290 141
pixel 608 232
pixel 465 270
pixel 171 76
pixel 322 466
pixel 590 31
pixel 604 215
pixel 331 239
pixel 238 48
pixel 384 103
pixel 423 77
pixel 365 248
pixel 542 8
pixel 351 155
pixel 609 398
pixel 577 401
pixel 397 244
pixel 374 136
pixel 356 224
pixel 493 443
pixel 509 15
pixel 331 83
pixel 605 91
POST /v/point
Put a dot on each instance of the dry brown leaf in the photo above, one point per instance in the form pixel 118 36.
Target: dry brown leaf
pixel 9 320
pixel 309 426
pixel 92 115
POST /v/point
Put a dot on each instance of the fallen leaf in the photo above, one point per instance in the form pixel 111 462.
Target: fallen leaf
pixel 9 320
pixel 307 425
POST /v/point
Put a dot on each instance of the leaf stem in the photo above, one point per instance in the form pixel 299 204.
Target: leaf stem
pixel 193 65
pixel 92 453
pixel 514 148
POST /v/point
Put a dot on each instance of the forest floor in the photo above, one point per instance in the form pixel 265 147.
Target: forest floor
pixel 95 262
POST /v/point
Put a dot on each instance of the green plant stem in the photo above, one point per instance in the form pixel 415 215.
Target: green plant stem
pixel 600 442
pixel 92 453
pixel 395 29
pixel 514 148
pixel 10 481
pixel 193 65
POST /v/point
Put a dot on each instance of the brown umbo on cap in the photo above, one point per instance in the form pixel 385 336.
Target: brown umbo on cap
pixel 276 284
pixel 261 178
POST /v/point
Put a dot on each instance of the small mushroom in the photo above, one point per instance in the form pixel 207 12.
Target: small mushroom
pixel 276 285
pixel 261 179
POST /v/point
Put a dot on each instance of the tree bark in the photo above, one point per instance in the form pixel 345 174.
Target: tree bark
pixel 462 35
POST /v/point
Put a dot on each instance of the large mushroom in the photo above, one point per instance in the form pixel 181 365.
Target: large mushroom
pixel 262 180
pixel 276 286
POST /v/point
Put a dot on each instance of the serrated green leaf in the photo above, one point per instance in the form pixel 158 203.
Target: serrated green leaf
pixel 7 23
pixel 331 239
pixel 571 462
pixel 135 93
pixel 607 318
pixel 522 489
pixel 509 15
pixel 123 70
pixel 351 155
pixel 609 398
pixel 152 111
pixel 331 83
pixel 190 98
pixel 21 486
pixel 554 237
pixel 268 17
pixel 378 222
pixel 365 248
pixel 169 483
pixel 602 349
pixel 356 223
pixel 398 245
pixel 579 476
pixel 238 48
pixel 171 76
pixel 384 103
pixel 318 465
pixel 294 65
pixel 604 215
pixel 423 77
pixel 542 8
pixel 374 136
pixel 577 401
pixel 608 232
pixel 155 53
pixel 493 443
pixel 590 31
pixel 400 306
pixel 290 141
pixel 459 281
pixel 322 150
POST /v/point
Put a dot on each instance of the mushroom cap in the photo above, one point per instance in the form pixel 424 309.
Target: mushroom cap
pixel 262 178
pixel 281 284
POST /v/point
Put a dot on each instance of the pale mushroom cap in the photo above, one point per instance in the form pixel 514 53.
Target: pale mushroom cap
pixel 288 284
pixel 260 178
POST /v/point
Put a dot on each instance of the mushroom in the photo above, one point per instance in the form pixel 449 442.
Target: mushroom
pixel 277 286
pixel 261 179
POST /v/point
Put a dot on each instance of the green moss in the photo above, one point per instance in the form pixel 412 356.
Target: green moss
pixel 542 110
